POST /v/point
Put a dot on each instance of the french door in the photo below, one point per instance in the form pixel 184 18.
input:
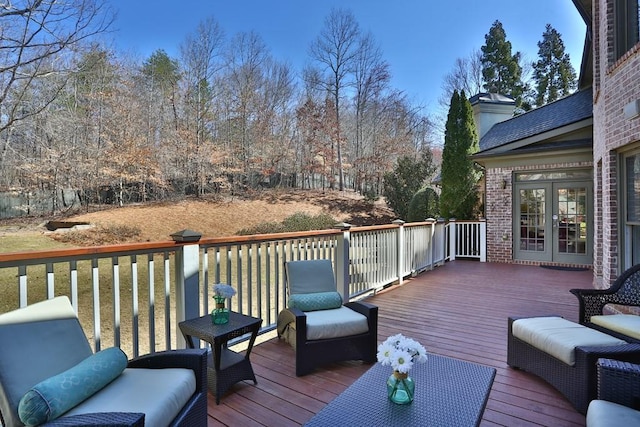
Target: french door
pixel 553 222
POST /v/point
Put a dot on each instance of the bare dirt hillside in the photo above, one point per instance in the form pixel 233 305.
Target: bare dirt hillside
pixel 218 218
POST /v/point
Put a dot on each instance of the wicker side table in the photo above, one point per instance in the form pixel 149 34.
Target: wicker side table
pixel 225 367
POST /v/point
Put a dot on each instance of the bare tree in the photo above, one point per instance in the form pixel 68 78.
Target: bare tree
pixel 88 109
pixel 372 79
pixel 200 54
pixel 466 76
pixel 335 49
pixel 34 35
pixel 275 120
pixel 246 59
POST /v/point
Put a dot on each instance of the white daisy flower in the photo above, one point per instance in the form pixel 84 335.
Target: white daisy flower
pixel 402 361
pixel 401 353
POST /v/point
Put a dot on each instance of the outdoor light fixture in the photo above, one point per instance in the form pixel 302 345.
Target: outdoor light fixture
pixel 504 184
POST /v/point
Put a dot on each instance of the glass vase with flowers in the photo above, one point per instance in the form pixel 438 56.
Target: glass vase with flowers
pixel 221 293
pixel 401 353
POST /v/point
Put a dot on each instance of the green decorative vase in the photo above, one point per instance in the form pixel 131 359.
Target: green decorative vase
pixel 220 314
pixel 400 388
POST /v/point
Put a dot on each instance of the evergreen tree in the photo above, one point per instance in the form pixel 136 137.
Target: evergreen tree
pixel 501 70
pixel 424 204
pixel 459 197
pixel 161 71
pixel 554 75
pixel 405 180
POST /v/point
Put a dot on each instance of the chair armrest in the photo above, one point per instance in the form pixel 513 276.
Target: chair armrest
pixel 370 311
pixel 296 312
pixel 363 308
pixel 619 382
pixel 114 419
pixel 194 359
pixel 592 302
pixel 297 316
pixel 286 316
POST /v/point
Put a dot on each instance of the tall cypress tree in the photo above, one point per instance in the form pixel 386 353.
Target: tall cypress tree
pixel 459 197
pixel 554 75
pixel 501 70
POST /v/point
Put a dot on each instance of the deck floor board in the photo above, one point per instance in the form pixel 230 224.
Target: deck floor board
pixel 458 310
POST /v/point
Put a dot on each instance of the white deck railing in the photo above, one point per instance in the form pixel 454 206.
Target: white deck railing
pixel 120 291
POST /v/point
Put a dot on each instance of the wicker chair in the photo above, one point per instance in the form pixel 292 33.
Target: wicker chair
pixel 618 401
pixel 578 383
pixel 314 277
pixel 42 340
pixel 624 291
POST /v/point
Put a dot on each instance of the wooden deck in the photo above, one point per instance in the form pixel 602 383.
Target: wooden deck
pixel 458 310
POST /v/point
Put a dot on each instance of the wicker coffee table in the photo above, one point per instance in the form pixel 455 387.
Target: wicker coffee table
pixel 225 367
pixel 449 392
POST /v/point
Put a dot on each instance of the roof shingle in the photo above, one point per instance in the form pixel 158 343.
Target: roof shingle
pixel 570 109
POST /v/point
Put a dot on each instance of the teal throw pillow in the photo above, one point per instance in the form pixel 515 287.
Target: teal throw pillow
pixel 54 396
pixel 315 301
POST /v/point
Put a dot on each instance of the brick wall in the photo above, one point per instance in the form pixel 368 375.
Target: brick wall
pixel 498 212
pixel 499 208
pixel 616 85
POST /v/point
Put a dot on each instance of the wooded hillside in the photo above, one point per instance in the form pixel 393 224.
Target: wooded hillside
pixel 223 116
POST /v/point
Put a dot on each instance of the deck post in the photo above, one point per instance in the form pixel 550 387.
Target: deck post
pixel 187 277
pixel 483 240
pixel 342 260
pixel 433 222
pixel 441 241
pixel 452 239
pixel 401 254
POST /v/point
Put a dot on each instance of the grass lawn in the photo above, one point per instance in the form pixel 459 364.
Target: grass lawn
pixel 156 222
pixel 25 242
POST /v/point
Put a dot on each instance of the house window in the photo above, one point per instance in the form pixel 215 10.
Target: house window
pixel 632 209
pixel 627 15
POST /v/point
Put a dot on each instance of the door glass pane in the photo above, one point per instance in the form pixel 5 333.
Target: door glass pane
pixel 632 206
pixel 635 244
pixel 633 188
pixel 572 226
pixel 547 176
pixel 532 219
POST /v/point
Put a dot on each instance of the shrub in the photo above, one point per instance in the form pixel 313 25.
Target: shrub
pixel 423 205
pixel 405 180
pixel 299 221
pixel 103 234
pixel 370 196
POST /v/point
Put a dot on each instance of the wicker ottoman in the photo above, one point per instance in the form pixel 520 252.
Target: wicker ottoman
pixel 564 354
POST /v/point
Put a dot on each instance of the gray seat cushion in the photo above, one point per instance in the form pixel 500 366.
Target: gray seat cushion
pixel 336 323
pixel 559 337
pixel 627 324
pixel 32 352
pixel 310 276
pixel 608 414
pixel 51 309
pixel 159 393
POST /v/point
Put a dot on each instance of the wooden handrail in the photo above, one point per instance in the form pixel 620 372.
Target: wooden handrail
pixel 88 251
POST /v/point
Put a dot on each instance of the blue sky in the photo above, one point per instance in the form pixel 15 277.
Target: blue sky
pixel 420 39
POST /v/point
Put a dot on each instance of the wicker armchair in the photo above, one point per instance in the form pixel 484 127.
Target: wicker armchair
pixel 314 277
pixel 624 291
pixel 43 340
pixel 618 401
